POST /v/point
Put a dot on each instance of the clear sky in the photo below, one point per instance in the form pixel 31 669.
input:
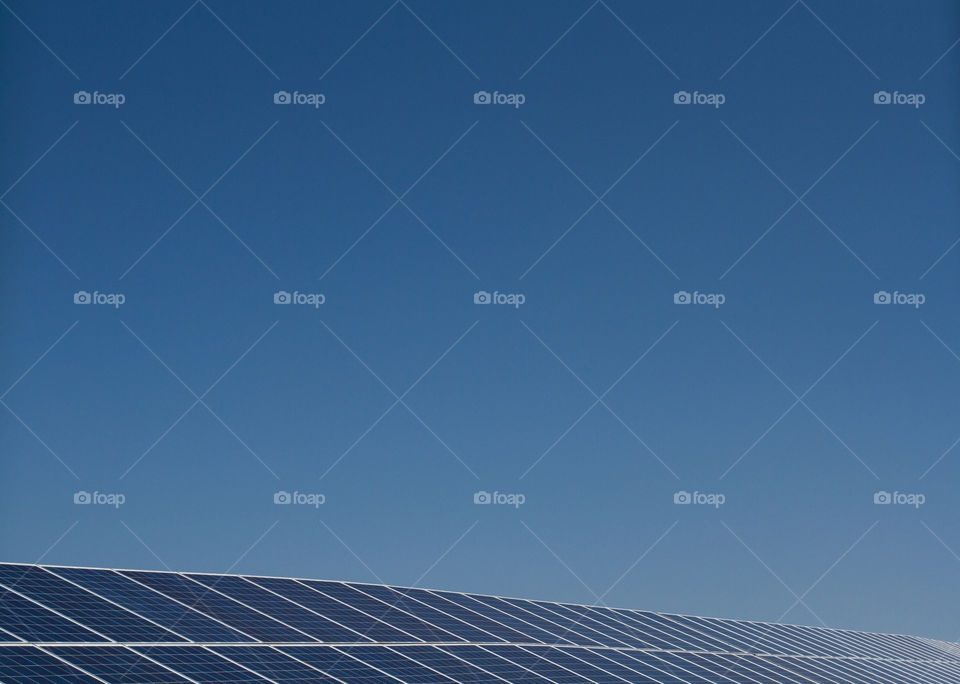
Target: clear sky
pixel 783 199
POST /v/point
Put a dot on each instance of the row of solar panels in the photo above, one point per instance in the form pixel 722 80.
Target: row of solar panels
pixel 82 605
pixel 442 664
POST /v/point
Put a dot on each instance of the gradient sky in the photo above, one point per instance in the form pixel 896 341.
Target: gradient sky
pixel 398 398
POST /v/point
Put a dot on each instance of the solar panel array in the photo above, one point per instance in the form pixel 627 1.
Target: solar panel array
pixel 64 624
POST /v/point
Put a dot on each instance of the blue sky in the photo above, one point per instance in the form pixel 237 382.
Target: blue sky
pixel 796 203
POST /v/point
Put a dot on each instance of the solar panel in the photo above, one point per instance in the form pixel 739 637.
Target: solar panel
pixel 32 622
pixel 216 605
pixel 68 625
pixel 116 664
pixel 27 665
pixel 339 665
pixel 77 604
pixel 367 626
pixel 142 600
pixel 272 664
pixel 284 610
pixel 200 664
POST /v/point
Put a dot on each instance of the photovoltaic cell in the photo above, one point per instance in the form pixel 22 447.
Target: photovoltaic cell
pixel 385 612
pixel 28 665
pixel 339 665
pixel 451 629
pixel 531 633
pixel 31 622
pixel 439 600
pixel 570 662
pixel 395 664
pixel 199 664
pixel 570 627
pixel 596 622
pixel 319 631
pixel 116 664
pixel 284 610
pixel 643 662
pixel 600 659
pixel 220 607
pixel 494 664
pixel 80 605
pixel 190 623
pixel 272 664
pixel 437 659
pixel 554 633
pixel 368 626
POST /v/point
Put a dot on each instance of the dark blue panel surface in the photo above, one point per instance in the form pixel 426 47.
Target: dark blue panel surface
pixel 367 625
pixel 28 665
pixel 643 662
pixel 451 629
pixel 395 664
pixel 199 664
pixel 33 623
pixel 285 611
pixel 495 629
pixel 599 659
pixel 570 660
pixel 546 668
pixel 494 664
pixel 339 665
pixel 272 664
pixel 148 603
pixel 562 635
pixel 569 627
pixel 677 636
pixel 80 605
pixel 532 633
pixel 445 663
pixel 116 664
pixel 220 607
pixel 416 628
pixel 586 619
